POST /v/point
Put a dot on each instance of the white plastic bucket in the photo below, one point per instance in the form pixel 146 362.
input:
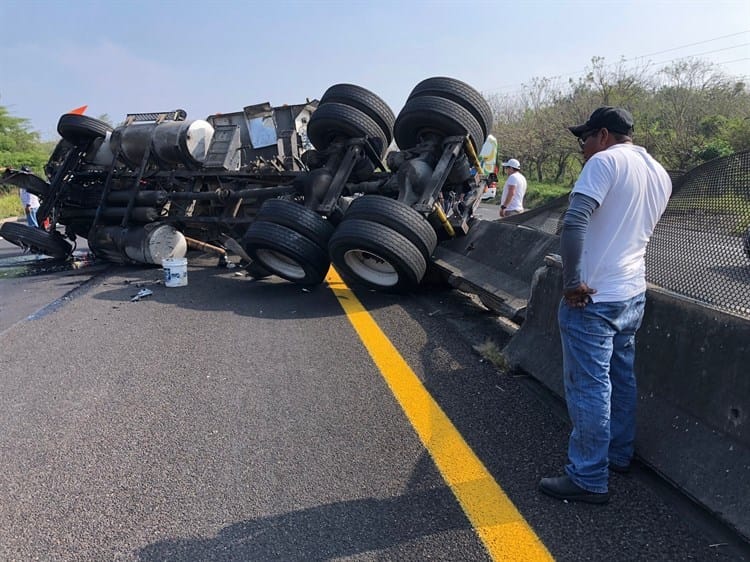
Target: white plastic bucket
pixel 175 272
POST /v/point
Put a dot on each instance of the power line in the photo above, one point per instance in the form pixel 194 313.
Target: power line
pixel 733 60
pixel 573 74
pixel 705 53
pixel 694 44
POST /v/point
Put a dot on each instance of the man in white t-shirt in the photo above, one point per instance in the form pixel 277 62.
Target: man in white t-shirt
pixel 30 203
pixel 614 206
pixel 511 200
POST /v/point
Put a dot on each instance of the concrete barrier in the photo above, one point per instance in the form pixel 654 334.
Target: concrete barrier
pixel 497 261
pixel 694 390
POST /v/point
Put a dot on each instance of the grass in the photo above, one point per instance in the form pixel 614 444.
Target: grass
pixel 537 193
pixel 10 205
pixel 492 353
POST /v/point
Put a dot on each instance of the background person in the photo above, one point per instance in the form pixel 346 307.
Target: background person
pixel 514 190
pixel 614 206
pixel 30 203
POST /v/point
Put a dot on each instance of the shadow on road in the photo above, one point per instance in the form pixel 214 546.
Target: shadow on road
pixel 324 532
pixel 212 288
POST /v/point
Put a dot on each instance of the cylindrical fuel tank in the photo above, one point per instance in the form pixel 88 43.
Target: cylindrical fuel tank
pixel 100 153
pixel 132 141
pixel 158 243
pixel 182 142
pixel 172 143
pixel 143 244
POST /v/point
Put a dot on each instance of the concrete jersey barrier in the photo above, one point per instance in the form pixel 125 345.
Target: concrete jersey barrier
pixel 496 261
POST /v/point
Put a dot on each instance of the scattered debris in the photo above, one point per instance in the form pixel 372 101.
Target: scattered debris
pixel 139 283
pixel 141 294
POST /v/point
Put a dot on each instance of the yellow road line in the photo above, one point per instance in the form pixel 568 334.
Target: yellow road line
pixel 504 531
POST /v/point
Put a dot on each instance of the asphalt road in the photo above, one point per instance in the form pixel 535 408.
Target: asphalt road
pixel 30 282
pixel 234 419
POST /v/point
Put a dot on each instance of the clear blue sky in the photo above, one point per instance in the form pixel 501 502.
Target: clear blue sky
pixel 214 56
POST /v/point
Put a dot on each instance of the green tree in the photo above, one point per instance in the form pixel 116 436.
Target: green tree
pixel 685 114
pixel 736 131
pixel 20 146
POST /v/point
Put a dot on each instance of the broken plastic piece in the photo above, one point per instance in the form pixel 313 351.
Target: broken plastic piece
pixel 141 294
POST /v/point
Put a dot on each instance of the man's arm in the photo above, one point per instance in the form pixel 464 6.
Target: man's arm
pixel 575 225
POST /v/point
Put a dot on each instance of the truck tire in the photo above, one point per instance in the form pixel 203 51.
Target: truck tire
pixel 376 256
pixel 336 120
pixel 300 219
pixel 398 217
pixel 286 253
pixel 459 92
pixel 364 100
pixel 49 243
pixel 438 115
pixel 81 129
pixel 257 271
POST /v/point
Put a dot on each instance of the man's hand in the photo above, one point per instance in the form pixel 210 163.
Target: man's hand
pixel 579 296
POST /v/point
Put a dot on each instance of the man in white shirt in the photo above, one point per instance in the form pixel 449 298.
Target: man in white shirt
pixel 30 204
pixel 511 201
pixel 614 206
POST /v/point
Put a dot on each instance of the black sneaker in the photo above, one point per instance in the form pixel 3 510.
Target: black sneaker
pixel 563 488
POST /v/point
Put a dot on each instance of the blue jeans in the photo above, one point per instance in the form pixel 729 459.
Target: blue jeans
pixel 31 217
pixel 598 343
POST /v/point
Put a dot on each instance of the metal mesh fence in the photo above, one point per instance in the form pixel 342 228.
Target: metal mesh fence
pixel 701 245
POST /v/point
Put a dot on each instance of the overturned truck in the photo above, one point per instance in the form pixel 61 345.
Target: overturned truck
pixel 290 189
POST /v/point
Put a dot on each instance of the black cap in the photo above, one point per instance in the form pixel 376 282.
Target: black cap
pixel 614 119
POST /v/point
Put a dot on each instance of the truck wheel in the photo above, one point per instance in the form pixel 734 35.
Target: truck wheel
pixel 336 120
pixel 397 216
pixel 80 129
pixel 376 256
pixel 300 219
pixel 364 100
pixel 438 115
pixel 257 271
pixel 49 243
pixel 286 253
pixel 459 92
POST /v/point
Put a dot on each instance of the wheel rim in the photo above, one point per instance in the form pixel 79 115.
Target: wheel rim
pixel 371 267
pixel 284 265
